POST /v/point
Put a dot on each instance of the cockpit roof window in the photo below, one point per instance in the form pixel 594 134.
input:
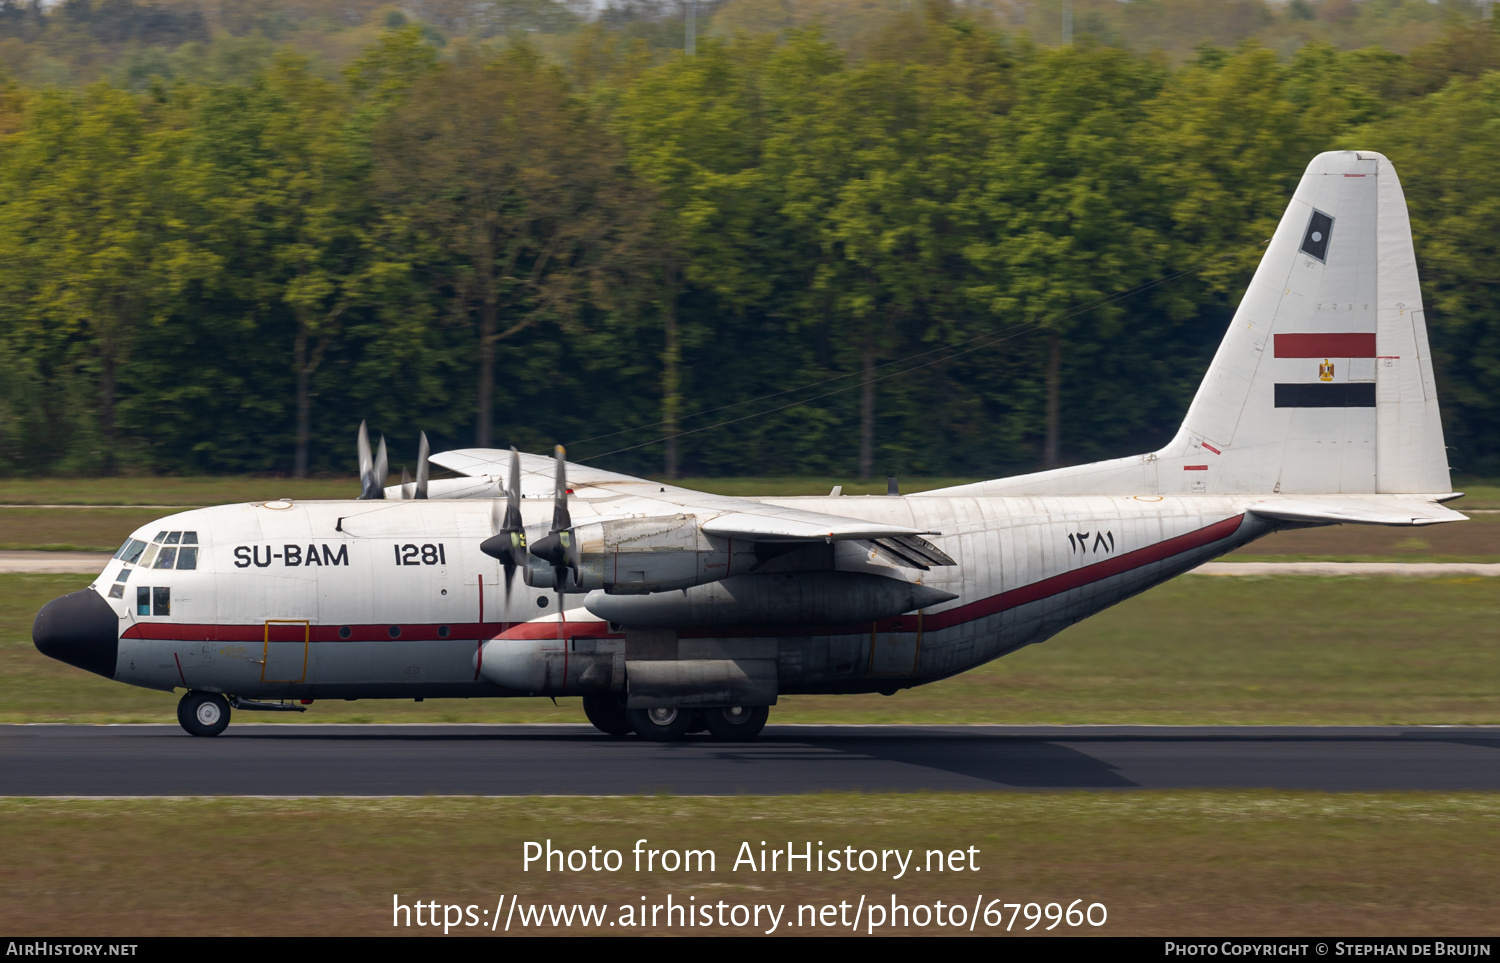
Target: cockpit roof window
pixel 173 538
pixel 190 538
pixel 160 536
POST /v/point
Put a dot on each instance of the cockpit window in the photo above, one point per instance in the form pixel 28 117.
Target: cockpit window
pixel 187 557
pixel 173 538
pixel 122 548
pixel 150 556
pixel 131 553
pixel 160 537
pixel 124 575
pixel 190 538
pixel 166 559
pixel 153 601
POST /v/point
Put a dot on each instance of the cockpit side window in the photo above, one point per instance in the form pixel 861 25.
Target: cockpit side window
pixel 131 553
pixel 143 601
pixel 161 601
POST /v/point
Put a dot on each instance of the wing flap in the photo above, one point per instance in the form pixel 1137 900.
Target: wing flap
pixel 912 551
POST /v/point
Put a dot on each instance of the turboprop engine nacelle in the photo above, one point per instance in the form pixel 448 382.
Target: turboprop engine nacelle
pixel 553 656
pixel 635 556
pixel 801 598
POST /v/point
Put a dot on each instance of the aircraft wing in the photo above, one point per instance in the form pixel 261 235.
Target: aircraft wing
pixel 536 470
pixel 721 515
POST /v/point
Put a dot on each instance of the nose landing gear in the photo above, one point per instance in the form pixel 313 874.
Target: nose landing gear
pixel 203 713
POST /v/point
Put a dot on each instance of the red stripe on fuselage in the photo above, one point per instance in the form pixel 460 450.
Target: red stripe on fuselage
pixel 1347 345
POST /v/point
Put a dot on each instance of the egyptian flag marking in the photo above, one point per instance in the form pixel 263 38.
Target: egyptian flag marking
pixel 1325 392
pixel 1315 240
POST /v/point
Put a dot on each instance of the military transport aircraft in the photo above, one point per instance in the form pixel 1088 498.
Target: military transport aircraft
pixel 670 610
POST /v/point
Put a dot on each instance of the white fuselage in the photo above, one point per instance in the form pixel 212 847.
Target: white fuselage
pixel 383 599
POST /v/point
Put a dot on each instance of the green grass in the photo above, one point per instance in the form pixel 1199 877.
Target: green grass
pixel 1245 650
pixel 1163 863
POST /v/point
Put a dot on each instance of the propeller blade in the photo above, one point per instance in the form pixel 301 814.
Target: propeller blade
pixel 513 493
pixel 561 518
pixel 369 481
pixel 382 469
pixel 422 452
pixel 405 483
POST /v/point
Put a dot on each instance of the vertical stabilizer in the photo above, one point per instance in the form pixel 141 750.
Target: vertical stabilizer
pixel 1323 383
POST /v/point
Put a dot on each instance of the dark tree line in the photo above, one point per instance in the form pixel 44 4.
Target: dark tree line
pixel 228 275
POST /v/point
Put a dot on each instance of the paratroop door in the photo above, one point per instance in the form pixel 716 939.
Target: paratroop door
pixel 285 658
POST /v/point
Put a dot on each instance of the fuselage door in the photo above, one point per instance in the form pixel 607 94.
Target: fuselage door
pixel 285 654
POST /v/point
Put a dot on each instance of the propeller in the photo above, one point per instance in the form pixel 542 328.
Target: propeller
pixel 423 451
pixel 508 544
pixel 372 471
pixel 420 491
pixel 559 546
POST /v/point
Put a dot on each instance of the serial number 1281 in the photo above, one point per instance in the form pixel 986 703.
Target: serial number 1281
pixel 421 554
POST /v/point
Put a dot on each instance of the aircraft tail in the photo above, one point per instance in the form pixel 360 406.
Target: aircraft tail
pixel 1323 383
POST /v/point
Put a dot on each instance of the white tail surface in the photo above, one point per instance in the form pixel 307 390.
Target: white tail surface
pixel 1323 383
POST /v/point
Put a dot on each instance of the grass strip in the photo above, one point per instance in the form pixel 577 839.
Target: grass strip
pixel 1178 863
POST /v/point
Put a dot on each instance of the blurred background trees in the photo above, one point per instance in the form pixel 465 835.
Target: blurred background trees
pixel 845 236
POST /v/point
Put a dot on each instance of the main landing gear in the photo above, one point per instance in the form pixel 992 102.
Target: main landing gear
pixel 203 713
pixel 733 724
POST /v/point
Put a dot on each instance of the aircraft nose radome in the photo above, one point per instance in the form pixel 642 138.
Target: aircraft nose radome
pixel 80 629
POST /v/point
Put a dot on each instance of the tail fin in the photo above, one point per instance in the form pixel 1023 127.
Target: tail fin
pixel 1323 383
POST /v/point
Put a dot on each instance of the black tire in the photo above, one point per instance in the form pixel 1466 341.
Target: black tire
pixel 203 713
pixel 660 725
pixel 606 713
pixel 699 723
pixel 738 723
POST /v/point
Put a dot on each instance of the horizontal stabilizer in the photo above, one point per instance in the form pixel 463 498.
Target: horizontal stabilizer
pixel 1336 511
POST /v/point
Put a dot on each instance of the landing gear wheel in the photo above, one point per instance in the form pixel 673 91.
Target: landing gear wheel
pixel 699 723
pixel 736 723
pixel 660 725
pixel 203 713
pixel 606 713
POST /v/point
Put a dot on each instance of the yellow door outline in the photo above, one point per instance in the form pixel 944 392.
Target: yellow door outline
pixel 266 652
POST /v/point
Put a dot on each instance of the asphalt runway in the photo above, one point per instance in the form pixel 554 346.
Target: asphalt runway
pixel 359 760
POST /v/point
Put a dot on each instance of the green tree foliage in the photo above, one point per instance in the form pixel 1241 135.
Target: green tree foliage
pixel 941 248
